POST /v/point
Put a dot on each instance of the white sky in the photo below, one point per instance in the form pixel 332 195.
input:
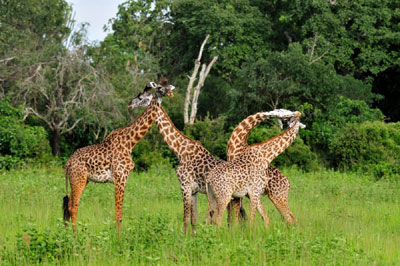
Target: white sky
pixel 96 13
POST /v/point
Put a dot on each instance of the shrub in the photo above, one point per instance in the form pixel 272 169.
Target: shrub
pixel 19 142
pixel 370 146
pixel 326 124
pixel 149 151
pixel 210 133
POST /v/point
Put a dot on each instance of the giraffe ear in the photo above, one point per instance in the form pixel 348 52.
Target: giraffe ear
pixel 162 80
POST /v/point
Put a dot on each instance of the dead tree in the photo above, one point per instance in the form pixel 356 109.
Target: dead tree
pixel 200 83
pixel 61 92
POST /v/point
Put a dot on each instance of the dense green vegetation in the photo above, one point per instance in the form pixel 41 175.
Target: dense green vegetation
pixel 335 61
pixel 343 219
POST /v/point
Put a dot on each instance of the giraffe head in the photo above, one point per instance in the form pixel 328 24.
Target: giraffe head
pixel 144 98
pixel 163 88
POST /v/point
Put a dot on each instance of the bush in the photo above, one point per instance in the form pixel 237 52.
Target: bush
pixel 149 151
pixel 19 142
pixel 370 147
pixel 326 124
pixel 211 134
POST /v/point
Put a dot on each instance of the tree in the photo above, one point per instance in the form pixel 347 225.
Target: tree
pixel 31 33
pixel 238 31
pixel 200 83
pixel 289 78
pixel 61 91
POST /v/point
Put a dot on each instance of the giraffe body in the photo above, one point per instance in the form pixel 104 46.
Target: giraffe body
pixel 278 185
pixel 246 174
pixel 195 162
pixel 110 161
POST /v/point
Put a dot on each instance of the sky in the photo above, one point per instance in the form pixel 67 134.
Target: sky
pixel 96 13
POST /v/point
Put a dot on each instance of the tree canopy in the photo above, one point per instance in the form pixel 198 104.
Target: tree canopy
pixel 336 61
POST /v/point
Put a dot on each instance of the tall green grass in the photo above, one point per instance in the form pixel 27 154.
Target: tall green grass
pixel 343 219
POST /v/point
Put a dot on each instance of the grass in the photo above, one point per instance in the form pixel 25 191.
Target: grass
pixel 343 219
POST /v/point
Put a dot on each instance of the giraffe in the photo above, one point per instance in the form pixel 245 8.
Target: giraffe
pixel 110 161
pixel 195 162
pixel 246 174
pixel 278 185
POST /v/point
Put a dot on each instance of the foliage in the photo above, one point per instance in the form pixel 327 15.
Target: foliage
pixel 343 110
pixel 210 133
pixel 146 154
pixel 369 146
pixel 19 141
pixel 242 31
pixel 287 79
pixel 31 34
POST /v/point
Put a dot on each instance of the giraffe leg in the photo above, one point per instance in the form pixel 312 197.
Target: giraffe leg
pixel 234 207
pixel 230 209
pixel 212 206
pixel 77 186
pixel 282 206
pixel 262 212
pixel 278 193
pixel 194 213
pixel 255 204
pixel 241 211
pixel 120 176
pixel 223 200
pixel 119 199
pixel 187 197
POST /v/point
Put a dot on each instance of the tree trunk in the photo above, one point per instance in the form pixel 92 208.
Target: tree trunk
pixel 202 77
pixel 55 144
pixel 191 81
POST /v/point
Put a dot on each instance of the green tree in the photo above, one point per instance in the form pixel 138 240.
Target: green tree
pixel 288 79
pixel 237 31
pixel 19 141
pixel 46 68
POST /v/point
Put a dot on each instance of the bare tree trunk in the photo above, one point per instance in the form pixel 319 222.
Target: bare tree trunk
pixel 202 76
pixel 191 81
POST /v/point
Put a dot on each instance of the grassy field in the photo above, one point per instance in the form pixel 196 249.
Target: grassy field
pixel 343 219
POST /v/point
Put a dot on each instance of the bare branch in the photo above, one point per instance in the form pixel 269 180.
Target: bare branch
pixel 311 51
pixel 191 81
pixel 7 59
pixel 202 77
pixel 72 127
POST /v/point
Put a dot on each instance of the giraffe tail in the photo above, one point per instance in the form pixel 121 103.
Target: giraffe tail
pixel 67 215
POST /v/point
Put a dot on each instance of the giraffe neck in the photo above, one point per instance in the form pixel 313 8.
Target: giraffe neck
pixel 237 142
pixel 177 142
pixel 263 153
pixel 136 131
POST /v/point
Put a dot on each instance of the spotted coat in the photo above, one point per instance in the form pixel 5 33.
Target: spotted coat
pixel 109 161
pixel 246 174
pixel 195 162
pixel 278 185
